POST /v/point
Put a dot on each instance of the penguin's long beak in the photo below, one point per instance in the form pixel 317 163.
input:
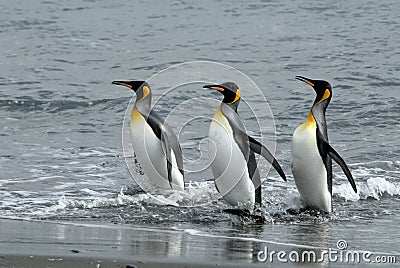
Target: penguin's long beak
pixel 305 80
pixel 122 83
pixel 215 87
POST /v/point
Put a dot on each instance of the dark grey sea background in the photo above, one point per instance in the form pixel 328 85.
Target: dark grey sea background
pixel 61 152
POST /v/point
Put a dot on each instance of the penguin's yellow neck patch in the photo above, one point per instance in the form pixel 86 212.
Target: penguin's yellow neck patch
pixel 218 113
pixel 218 116
pixel 310 122
pixel 220 120
pixel 237 97
pixel 135 114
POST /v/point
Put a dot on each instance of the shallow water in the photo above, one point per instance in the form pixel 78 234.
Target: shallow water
pixel 61 155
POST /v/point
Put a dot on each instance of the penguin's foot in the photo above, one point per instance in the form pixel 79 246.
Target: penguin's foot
pixel 244 217
pixel 296 211
pixel 309 210
pixel 238 212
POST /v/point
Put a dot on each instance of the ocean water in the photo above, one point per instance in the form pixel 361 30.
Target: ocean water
pixel 61 149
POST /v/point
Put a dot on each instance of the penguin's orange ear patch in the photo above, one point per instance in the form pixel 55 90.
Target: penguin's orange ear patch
pixel 146 92
pixel 237 97
pixel 327 94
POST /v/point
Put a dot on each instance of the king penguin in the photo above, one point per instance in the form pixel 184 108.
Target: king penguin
pixel 154 143
pixel 231 150
pixel 311 153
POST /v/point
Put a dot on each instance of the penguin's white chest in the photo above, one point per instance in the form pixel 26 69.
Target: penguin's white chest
pixel 148 150
pixel 229 166
pixel 308 168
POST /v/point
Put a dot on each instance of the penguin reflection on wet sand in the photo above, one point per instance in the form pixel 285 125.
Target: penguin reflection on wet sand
pixel 311 153
pixel 155 144
pixel 232 153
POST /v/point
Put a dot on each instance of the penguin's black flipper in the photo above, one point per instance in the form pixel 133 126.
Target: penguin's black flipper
pixel 338 159
pixel 260 149
pixel 173 151
pixel 255 177
pixel 169 142
pixel 167 150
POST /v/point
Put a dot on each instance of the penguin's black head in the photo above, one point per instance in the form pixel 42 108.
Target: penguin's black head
pixel 134 85
pixel 230 91
pixel 321 87
pixel 141 88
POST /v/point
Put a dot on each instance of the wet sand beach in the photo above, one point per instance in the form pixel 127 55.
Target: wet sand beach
pixel 51 244
pixel 59 244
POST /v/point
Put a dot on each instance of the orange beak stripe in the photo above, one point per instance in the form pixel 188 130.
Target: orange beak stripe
pixel 127 85
pixel 220 89
pixel 308 82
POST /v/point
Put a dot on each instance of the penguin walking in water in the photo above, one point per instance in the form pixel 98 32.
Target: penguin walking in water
pixel 232 151
pixel 155 144
pixel 311 153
